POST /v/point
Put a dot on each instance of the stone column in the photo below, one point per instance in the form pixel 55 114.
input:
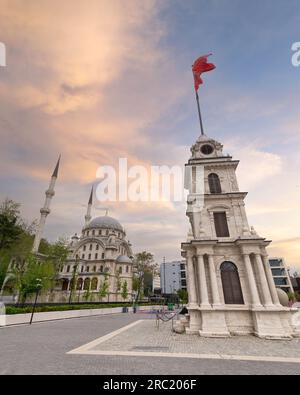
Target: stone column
pixel 252 284
pixel 270 279
pixel 214 282
pixel 263 280
pixel 191 280
pixel 204 302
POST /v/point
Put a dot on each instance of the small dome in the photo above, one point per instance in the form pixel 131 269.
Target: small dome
pixel 104 222
pixel 123 259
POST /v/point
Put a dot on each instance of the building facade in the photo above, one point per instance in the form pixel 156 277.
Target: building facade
pixel 99 263
pixel 230 283
pixel 280 274
pixel 172 276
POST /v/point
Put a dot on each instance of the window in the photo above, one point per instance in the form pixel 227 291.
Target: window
pixel 103 255
pixel 97 247
pixel 90 256
pixel 94 269
pixel 183 283
pixel 127 269
pixel 93 233
pixel 231 284
pixel 82 268
pixel 278 272
pixel 107 232
pixel 87 269
pixel 221 225
pixel 86 285
pixel 84 248
pixel 120 269
pixel 65 284
pixel 87 233
pixel 94 284
pixel 280 281
pixel 101 268
pixel 214 183
pixel 79 284
pixel 82 256
pixel 91 247
pixel 96 256
pixel 68 269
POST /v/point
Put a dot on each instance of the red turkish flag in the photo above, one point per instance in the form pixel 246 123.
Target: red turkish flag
pixel 201 66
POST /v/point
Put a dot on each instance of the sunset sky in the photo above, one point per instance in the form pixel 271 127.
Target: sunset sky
pixel 100 80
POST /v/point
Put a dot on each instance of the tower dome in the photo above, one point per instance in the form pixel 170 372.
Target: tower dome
pixel 104 222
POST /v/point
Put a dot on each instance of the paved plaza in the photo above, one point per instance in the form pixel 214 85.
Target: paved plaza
pixel 131 344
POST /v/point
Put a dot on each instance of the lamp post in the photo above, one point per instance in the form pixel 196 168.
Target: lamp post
pixel 38 287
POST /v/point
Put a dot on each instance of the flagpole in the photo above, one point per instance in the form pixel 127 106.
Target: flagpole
pixel 199 113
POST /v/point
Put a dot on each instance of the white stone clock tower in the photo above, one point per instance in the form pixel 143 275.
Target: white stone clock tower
pixel 230 284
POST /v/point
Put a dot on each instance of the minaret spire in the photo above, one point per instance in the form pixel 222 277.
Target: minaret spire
pixel 88 215
pixel 46 209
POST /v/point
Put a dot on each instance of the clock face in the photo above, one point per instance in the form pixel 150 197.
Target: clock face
pixel 207 149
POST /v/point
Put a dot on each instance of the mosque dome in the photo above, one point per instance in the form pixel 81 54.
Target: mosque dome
pixel 104 222
pixel 123 259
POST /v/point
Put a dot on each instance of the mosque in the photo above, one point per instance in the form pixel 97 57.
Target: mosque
pixel 99 266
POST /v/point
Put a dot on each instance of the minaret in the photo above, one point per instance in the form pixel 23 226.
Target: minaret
pixel 88 215
pixel 46 209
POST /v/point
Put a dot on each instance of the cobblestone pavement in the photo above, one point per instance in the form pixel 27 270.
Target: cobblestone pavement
pixel 43 349
pixel 146 337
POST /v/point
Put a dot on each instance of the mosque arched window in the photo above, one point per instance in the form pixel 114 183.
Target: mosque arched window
pixel 214 183
pixel 65 284
pixel 231 284
pixel 86 285
pixel 94 284
pixel 79 284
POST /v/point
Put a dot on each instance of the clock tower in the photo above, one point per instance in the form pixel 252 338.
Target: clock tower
pixel 230 284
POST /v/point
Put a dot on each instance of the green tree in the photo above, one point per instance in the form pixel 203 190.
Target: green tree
pixel 183 295
pixel 103 288
pixel 124 292
pixel 10 224
pixel 143 263
pixel 34 271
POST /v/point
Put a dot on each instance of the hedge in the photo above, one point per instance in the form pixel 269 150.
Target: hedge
pixel 40 309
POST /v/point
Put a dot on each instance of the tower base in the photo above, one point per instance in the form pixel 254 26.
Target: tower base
pixel 225 321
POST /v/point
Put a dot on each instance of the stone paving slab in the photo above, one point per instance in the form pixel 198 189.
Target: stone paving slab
pixel 143 337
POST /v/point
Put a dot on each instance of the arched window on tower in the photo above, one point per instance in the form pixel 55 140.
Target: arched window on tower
pixel 231 284
pixel 214 183
pixel 221 224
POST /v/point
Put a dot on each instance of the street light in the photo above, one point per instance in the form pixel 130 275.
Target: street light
pixel 38 287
